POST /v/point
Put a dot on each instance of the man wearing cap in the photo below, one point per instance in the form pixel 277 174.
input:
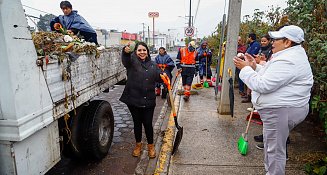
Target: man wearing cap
pixel 74 22
pixel 280 92
pixel 187 64
pixel 204 57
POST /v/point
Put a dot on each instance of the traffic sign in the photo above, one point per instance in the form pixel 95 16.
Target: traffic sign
pixel 189 31
pixel 153 14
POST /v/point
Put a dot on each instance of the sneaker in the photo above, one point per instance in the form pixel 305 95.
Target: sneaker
pixel 258 138
pixel 247 100
pixel 244 96
pixel 260 146
pixel 250 109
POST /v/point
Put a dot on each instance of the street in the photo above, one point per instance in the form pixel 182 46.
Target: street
pixel 119 161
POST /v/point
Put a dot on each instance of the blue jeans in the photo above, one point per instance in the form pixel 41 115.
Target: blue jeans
pixel 240 82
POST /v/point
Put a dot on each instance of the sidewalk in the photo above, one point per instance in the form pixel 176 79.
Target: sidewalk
pixel 209 144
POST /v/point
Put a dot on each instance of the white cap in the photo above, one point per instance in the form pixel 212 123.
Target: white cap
pixel 292 32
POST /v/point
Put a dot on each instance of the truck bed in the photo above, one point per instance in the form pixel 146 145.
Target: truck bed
pixel 74 82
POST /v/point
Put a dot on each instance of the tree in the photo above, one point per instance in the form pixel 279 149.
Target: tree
pixel 44 22
pixel 311 16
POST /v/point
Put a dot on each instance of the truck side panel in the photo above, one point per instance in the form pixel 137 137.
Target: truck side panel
pixel 74 83
pixel 34 155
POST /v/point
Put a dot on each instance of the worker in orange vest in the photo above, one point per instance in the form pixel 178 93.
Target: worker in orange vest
pixel 187 64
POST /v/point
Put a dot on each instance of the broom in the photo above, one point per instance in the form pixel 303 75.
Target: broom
pixel 242 143
pixel 206 84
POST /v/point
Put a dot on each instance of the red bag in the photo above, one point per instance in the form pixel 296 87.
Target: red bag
pixel 255 118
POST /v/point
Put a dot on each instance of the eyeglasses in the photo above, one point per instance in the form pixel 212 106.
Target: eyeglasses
pixel 276 39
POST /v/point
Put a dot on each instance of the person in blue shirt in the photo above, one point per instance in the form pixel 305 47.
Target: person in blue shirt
pixel 166 64
pixel 205 60
pixel 253 49
pixel 73 22
pixel 254 46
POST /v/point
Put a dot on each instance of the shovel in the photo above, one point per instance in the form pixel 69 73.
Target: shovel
pixel 179 133
pixel 242 143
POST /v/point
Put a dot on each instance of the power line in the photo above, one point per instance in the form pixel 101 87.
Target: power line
pixel 38 10
pixel 196 12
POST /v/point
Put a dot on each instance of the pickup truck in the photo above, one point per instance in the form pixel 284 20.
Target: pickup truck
pixel 50 105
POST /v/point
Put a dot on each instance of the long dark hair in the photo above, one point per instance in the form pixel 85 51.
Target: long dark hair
pixel 142 44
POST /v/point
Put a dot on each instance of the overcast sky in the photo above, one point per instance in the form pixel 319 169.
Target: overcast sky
pixel 130 14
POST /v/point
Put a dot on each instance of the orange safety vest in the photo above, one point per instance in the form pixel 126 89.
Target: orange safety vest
pixel 187 57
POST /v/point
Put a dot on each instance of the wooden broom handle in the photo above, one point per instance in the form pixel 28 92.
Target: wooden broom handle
pixel 247 127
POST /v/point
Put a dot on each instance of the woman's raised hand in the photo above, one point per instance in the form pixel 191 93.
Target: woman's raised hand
pixel 127 49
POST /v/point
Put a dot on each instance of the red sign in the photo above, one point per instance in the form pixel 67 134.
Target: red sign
pixel 153 14
pixel 129 36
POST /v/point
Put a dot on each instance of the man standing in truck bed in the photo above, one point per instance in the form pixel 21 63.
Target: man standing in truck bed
pixel 74 22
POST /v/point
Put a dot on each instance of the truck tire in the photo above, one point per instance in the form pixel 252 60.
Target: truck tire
pixel 98 130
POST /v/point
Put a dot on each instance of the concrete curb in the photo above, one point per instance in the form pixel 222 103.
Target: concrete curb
pixel 163 161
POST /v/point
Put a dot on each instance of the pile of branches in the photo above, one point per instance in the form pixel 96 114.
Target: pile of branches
pixel 53 43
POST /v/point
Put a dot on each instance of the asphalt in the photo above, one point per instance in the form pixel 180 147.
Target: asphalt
pixel 209 144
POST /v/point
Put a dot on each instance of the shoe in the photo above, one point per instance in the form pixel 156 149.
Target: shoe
pixel 164 93
pixel 137 149
pixel 248 100
pixel 151 151
pixel 258 138
pixel 158 91
pixel 250 109
pixel 242 94
pixel 186 97
pixel 260 146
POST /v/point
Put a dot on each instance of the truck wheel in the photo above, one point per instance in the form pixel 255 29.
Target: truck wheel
pixel 99 129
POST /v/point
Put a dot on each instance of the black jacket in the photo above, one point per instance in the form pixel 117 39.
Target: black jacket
pixel 141 78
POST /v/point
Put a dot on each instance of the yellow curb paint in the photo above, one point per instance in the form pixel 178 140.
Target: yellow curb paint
pixel 167 145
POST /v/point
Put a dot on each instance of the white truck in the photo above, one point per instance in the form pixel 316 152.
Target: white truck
pixel 48 107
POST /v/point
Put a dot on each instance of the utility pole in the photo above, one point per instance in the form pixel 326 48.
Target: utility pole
pixel 143 37
pixel 233 27
pixel 153 31
pixel 189 20
pixel 149 35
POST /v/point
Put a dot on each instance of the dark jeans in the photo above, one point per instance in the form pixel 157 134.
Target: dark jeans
pixel 142 116
pixel 187 80
pixel 240 82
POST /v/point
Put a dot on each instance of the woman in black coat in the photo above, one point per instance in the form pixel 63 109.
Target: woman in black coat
pixel 139 93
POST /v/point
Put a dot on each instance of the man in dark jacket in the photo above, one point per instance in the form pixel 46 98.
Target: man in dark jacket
pixel 253 49
pixel 166 64
pixel 75 23
pixel 205 60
